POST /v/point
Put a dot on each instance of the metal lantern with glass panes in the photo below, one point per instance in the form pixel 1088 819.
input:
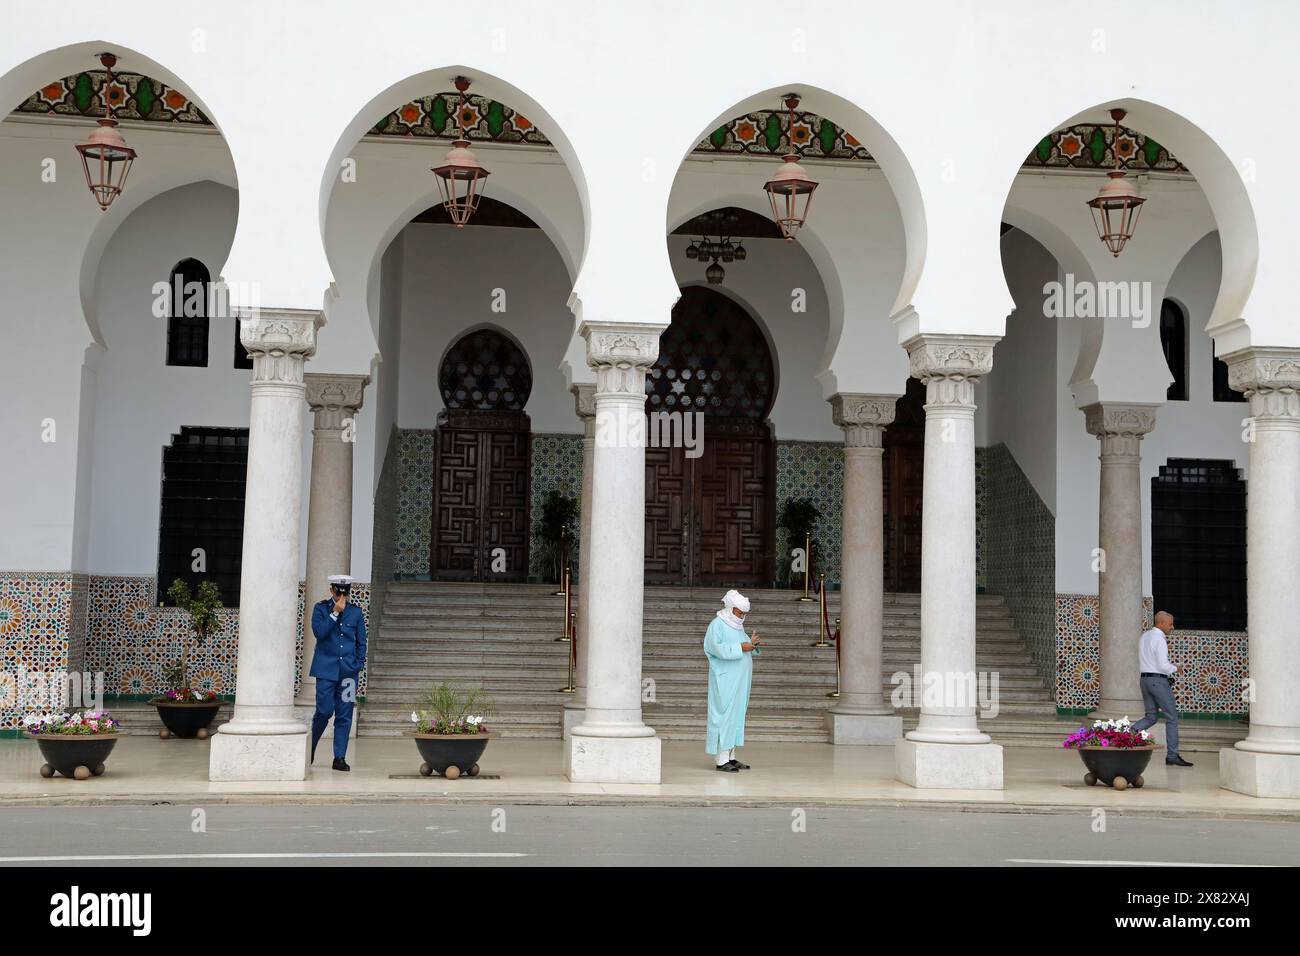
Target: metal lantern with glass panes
pixel 105 157
pixel 1116 206
pixel 790 189
pixel 460 175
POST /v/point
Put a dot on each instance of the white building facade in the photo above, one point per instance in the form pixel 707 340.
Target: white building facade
pixel 1097 434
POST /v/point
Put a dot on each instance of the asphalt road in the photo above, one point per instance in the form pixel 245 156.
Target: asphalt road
pixel 484 835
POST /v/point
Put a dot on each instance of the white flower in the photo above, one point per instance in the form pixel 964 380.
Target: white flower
pixel 415 718
pixel 473 721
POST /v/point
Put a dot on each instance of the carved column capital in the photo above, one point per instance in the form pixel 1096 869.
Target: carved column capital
pixel 950 366
pixel 621 353
pixel 1270 380
pixel 584 399
pixel 334 397
pixel 1119 427
pixel 863 417
pixel 279 341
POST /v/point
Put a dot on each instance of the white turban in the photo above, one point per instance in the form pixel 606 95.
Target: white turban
pixel 734 599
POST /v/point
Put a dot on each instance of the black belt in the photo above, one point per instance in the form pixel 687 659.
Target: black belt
pixel 1152 674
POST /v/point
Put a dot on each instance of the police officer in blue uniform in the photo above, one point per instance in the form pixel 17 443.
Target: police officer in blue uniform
pixel 340 630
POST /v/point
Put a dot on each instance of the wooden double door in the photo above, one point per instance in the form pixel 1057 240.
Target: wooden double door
pixel 481 489
pixel 710 519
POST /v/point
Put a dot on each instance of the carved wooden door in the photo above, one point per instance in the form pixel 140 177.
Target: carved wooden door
pixel 733 506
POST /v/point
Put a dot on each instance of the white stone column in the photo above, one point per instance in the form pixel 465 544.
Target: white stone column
pixel 1120 428
pixel 334 401
pixel 584 400
pixel 613 744
pixel 862 715
pixel 264 740
pixel 947 749
pixel 1267 762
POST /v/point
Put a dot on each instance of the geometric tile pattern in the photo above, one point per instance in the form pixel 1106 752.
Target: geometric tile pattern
pixel 42 630
pixel 814 470
pixel 981 519
pixel 1211 664
pixel 556 466
pixel 414 502
pixel 1019 553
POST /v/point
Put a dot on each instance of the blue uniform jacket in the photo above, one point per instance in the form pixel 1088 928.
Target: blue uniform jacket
pixel 341 644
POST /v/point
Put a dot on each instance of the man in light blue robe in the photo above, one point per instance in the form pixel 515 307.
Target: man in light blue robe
pixel 730 669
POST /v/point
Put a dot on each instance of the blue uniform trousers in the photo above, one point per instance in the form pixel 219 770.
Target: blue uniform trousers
pixel 332 702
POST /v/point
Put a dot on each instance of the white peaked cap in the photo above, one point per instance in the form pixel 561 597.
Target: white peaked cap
pixel 340 579
pixel 736 599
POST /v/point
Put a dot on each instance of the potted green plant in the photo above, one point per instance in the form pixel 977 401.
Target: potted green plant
pixel 799 517
pixel 1113 752
pixel 450 730
pixel 555 531
pixel 185 711
pixel 75 745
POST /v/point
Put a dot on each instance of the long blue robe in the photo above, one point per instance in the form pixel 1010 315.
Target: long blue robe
pixel 730 670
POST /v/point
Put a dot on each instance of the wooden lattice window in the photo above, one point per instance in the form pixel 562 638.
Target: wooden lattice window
pixel 187 316
pixel 1198 543
pixel 486 371
pixel 713 358
pixel 203 508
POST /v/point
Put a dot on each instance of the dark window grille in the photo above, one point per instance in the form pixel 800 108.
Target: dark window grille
pixel 1198 544
pixel 1173 339
pixel 1222 391
pixel 187 322
pixel 203 507
pixel 486 371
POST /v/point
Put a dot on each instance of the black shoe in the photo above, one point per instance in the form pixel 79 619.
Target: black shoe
pixel 341 764
pixel 729 767
pixel 739 765
pixel 1177 762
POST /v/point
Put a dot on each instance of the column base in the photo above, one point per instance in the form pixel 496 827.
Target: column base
pixel 1259 774
pixel 305 713
pixel 573 716
pixel 259 756
pixel 948 766
pixel 863 729
pixel 612 759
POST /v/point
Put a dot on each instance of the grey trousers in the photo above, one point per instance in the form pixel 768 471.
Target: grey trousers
pixel 1158 695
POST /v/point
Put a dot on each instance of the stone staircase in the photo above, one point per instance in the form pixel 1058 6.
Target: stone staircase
pixel 502 638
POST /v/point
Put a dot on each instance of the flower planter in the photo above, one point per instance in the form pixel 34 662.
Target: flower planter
pixel 80 756
pixel 186 718
pixel 1118 767
pixel 450 754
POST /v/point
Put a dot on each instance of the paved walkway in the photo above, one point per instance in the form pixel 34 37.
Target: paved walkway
pixel 145 770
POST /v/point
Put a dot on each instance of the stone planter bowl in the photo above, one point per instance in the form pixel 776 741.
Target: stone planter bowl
pixel 80 756
pixel 186 718
pixel 1118 767
pixel 450 754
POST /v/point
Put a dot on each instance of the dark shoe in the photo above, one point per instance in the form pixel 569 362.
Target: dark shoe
pixel 341 764
pixel 729 767
pixel 1177 762
pixel 740 766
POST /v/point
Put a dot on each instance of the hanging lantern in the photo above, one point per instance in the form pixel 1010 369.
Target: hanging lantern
pixel 692 251
pixel 461 175
pixel 715 273
pixel 740 252
pixel 1116 206
pixel 790 189
pixel 105 157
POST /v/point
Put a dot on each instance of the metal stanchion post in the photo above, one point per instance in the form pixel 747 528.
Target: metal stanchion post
pixel 807 566
pixel 836 693
pixel 821 615
pixel 567 634
pixel 564 561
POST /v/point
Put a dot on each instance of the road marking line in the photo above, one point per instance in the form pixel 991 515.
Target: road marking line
pixel 1130 863
pixel 247 856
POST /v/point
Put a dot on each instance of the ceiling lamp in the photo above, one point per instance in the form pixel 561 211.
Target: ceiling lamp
pixel 723 248
pixel 461 176
pixel 1116 206
pixel 105 157
pixel 791 188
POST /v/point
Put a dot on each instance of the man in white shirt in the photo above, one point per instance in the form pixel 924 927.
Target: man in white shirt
pixel 1157 685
